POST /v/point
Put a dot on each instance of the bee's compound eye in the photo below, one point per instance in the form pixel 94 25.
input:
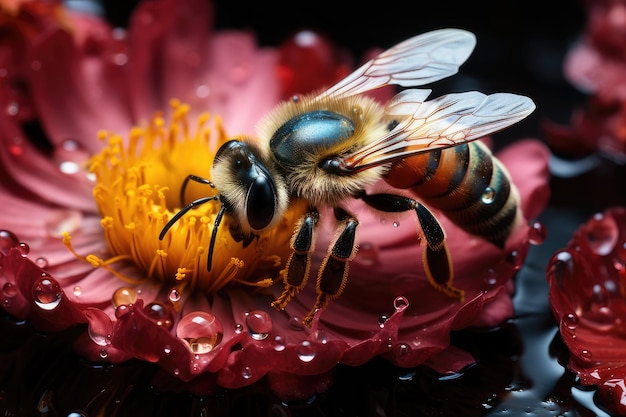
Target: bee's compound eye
pixel 261 200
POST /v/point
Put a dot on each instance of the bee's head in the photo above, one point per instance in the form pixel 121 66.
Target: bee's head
pixel 253 194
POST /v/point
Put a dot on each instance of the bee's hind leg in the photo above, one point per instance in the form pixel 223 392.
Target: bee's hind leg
pixel 333 273
pixel 436 256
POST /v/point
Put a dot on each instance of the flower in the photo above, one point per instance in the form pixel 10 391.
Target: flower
pixel 94 171
pixel 597 66
pixel 588 299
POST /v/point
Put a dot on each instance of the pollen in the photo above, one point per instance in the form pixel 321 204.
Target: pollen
pixel 137 190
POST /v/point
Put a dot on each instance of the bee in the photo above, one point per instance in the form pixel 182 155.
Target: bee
pixel 328 148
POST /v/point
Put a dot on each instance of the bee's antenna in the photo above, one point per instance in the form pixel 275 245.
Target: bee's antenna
pixel 216 225
pixel 184 210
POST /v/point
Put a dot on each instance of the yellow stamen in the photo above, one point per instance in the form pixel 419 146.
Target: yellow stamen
pixel 137 191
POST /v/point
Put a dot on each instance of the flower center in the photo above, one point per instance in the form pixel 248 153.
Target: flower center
pixel 138 184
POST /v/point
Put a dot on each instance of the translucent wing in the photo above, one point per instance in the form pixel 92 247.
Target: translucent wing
pixel 417 61
pixel 446 121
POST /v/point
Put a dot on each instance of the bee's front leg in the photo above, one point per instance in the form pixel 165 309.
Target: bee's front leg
pixel 333 272
pixel 296 273
pixel 436 256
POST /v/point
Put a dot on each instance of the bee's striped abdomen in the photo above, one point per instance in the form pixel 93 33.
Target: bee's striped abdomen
pixel 469 185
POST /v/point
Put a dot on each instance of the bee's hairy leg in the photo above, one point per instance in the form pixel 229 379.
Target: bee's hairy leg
pixel 333 272
pixel 436 255
pixel 296 272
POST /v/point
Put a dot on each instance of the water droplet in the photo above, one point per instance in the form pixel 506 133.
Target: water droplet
pixel 104 354
pixel 295 98
pixel 602 234
pixel 176 371
pixel 489 196
pixel 9 290
pixel 120 59
pixel 516 258
pixel 160 313
pixel 295 323
pixel 122 311
pixel 402 350
pixel 100 326
pixel 306 351
pixel 78 291
pixel 23 248
pixel 562 267
pixel 279 343
pixel 203 91
pixel 202 331
pixel 174 295
pixel 238 328
pixel 246 372
pixel 585 355
pixel 47 292
pixel 491 278
pixel 322 336
pixel 41 262
pixel 396 224
pixel 571 320
pixel 259 324
pixel 382 319
pixel 124 296
pixel 400 303
pixel 537 233
pixel 8 240
pixel 167 349
pixel 13 109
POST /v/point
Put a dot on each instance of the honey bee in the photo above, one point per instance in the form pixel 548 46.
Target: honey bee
pixel 328 148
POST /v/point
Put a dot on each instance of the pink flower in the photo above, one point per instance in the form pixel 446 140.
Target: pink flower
pixel 588 298
pixel 597 66
pixel 83 206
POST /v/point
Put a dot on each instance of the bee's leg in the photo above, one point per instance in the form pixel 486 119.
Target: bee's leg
pixel 333 273
pixel 436 256
pixel 298 266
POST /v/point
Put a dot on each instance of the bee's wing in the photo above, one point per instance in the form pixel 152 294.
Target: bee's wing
pixel 444 122
pixel 417 61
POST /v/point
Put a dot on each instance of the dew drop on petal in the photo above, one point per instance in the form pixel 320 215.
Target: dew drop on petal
pixel 174 295
pixel 41 262
pixel 47 292
pixel 203 91
pixel 238 328
pixel 585 355
pixel 570 320
pixel 489 196
pixel 400 303
pixel 491 277
pixel 295 323
pixel 279 343
pixel 23 248
pixel 396 224
pixel 78 290
pixel 602 234
pixel 104 354
pixel 246 372
pixel 167 349
pixel 124 296
pixel 122 311
pixel 100 326
pixel 8 240
pixel 201 330
pixel 382 319
pixel 537 233
pixel 12 109
pixel 306 351
pixel 259 324
pixel 562 267
pixel 322 336
pixel 9 290
pixel 160 313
